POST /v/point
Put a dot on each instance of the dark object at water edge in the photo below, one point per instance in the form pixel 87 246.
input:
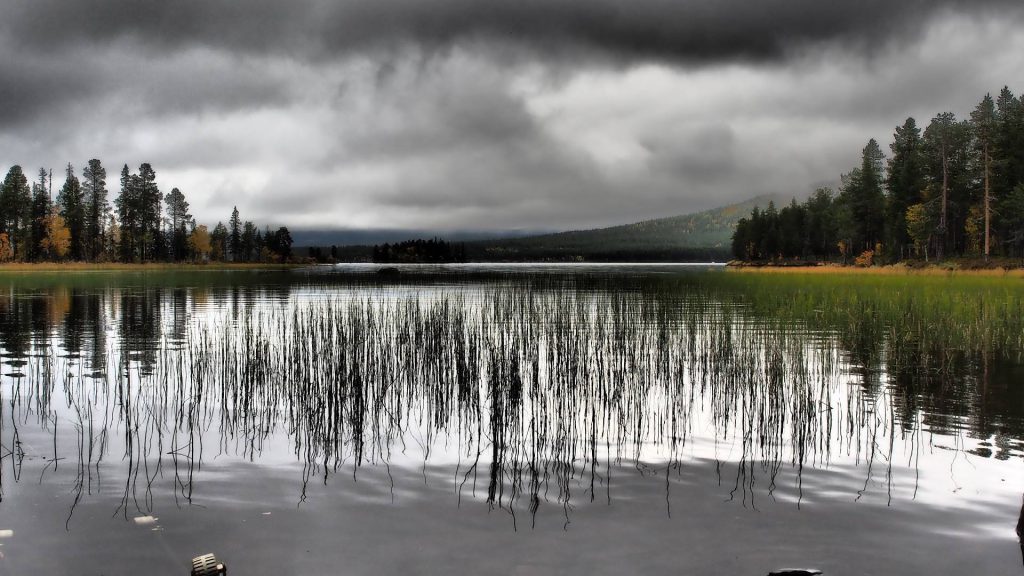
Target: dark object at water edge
pixel 207 565
pixel 389 271
pixel 1020 524
pixel 795 572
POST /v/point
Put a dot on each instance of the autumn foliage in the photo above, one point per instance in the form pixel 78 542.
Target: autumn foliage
pixel 57 241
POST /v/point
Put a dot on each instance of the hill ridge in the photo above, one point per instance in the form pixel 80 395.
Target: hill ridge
pixel 698 235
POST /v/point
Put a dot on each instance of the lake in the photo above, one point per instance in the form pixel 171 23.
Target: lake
pixel 510 419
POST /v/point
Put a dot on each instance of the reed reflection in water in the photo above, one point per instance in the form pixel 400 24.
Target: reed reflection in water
pixel 531 390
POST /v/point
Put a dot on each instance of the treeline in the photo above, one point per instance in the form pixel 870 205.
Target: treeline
pixel 140 225
pixel 419 251
pixel 955 189
pixel 494 251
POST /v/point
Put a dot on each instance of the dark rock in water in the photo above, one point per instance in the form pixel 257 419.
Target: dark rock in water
pixel 390 271
pixel 1020 525
pixel 795 572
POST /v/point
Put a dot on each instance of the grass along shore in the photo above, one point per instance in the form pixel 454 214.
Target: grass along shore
pixel 947 268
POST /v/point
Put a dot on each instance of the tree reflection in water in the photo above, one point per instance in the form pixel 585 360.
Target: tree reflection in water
pixel 536 386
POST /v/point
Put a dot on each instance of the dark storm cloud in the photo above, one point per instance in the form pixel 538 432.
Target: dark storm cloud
pixel 30 87
pixel 41 92
pixel 492 114
pixel 243 25
pixel 686 31
pixel 211 55
pixel 670 30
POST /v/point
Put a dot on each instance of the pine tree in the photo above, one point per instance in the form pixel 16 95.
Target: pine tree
pixel 248 241
pixel 821 223
pixel 1008 141
pixel 1008 160
pixel 219 242
pixel 257 246
pixel 127 216
pixel 939 137
pixel 40 212
pixel 149 210
pixel 235 237
pixel 179 219
pixel 15 189
pixel 71 207
pixel 983 121
pixel 862 196
pixel 948 152
pixel 284 243
pixel 94 185
pixel 21 230
pixel 905 180
pixel 111 236
pixel 1013 219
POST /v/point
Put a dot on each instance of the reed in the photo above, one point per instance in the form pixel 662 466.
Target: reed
pixel 539 385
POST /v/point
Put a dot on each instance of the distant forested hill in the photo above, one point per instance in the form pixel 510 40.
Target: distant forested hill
pixel 695 237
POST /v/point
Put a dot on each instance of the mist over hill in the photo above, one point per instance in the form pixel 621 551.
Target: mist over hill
pixel 700 236
pixel 369 237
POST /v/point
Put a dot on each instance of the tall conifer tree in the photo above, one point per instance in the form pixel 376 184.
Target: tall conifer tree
pixel 94 185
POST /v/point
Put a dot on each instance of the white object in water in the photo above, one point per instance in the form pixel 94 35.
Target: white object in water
pixel 144 520
pixel 6 533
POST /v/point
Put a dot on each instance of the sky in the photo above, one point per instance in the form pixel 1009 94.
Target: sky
pixel 485 115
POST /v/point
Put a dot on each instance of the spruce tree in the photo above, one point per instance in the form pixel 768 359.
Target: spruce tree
pixel 94 185
pixel 40 212
pixel 863 198
pixel 905 180
pixel 127 216
pixel 219 242
pixel 13 205
pixel 235 235
pixel 248 242
pixel 1008 141
pixel 179 219
pixel 149 213
pixel 71 207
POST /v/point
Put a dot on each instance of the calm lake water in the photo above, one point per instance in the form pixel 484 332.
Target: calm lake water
pixel 605 419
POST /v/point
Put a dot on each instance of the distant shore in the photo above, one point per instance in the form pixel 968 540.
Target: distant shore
pixel 23 267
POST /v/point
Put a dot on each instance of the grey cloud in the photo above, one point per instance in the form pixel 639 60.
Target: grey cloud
pixel 251 25
pixel 197 55
pixel 37 89
pixel 671 30
pixel 698 153
pixel 458 105
pixel 30 87
pixel 690 31
pixel 443 114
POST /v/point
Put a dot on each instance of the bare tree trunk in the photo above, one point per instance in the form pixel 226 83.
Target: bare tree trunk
pixel 945 192
pixel 987 211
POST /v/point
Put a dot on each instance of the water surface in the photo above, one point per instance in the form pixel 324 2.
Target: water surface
pixel 518 419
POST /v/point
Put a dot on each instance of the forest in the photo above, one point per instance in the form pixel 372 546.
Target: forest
pixel 955 189
pixel 435 251
pixel 141 225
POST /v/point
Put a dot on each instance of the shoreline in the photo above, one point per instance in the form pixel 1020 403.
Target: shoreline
pixel 946 268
